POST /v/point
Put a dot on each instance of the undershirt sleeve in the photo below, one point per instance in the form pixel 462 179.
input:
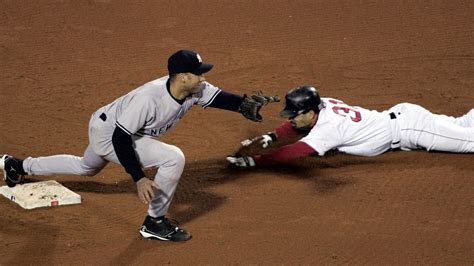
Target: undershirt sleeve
pixel 285 154
pixel 286 130
pixel 227 101
pixel 122 143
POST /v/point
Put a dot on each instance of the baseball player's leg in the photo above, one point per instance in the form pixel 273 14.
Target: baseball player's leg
pixel 422 129
pixel 169 160
pixel 466 120
pixel 88 165
pixel 170 163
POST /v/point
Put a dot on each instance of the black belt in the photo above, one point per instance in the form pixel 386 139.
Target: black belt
pixel 103 117
pixel 395 145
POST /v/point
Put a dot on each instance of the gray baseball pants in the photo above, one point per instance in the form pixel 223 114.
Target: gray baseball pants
pixel 150 152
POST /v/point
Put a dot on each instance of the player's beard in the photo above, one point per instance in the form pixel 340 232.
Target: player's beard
pixel 302 128
pixel 305 128
pixel 196 89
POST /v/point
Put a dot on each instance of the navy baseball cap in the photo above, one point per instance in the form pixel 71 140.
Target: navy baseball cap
pixel 184 61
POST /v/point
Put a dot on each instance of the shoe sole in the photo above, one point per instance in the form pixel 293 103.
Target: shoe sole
pixel 2 166
pixel 149 235
pixel 152 236
pixel 2 162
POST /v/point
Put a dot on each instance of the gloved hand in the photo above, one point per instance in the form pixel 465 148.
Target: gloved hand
pixel 264 140
pixel 252 104
pixel 241 161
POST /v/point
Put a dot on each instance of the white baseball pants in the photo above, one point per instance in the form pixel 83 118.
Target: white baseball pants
pixel 421 129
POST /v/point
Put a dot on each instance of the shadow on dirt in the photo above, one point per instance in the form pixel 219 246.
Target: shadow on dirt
pixel 194 196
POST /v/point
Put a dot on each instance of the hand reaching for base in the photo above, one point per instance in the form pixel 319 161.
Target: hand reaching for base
pixel 264 140
pixel 241 161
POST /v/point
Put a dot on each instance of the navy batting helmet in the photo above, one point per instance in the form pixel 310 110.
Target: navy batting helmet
pixel 300 100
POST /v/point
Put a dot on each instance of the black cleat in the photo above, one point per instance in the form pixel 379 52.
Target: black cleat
pixel 12 170
pixel 161 228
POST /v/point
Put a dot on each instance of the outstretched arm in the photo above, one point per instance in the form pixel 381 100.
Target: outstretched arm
pixel 284 154
pixel 284 131
pixel 248 106
pixel 227 101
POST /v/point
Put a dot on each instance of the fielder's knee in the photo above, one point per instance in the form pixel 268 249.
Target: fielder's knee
pixel 88 171
pixel 176 158
pixel 174 163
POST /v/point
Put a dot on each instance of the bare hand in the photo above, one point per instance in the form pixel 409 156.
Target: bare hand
pixel 145 189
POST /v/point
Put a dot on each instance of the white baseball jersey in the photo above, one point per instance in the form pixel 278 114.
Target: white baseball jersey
pixel 358 131
pixel 350 129
pixel 150 110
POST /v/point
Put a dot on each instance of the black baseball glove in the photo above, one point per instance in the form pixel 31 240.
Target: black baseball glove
pixel 252 104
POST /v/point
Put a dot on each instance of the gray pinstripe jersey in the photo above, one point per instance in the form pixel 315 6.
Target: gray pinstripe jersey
pixel 151 111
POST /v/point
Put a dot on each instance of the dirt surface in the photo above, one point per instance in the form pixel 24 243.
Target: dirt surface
pixel 62 60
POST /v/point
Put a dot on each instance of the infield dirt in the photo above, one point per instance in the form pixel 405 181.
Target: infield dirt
pixel 62 60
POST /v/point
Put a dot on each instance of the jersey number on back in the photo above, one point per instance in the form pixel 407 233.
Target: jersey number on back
pixel 343 109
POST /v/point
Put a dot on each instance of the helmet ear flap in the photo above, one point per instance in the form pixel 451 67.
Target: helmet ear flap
pixel 321 105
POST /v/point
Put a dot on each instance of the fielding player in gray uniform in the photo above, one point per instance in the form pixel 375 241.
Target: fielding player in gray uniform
pixel 122 132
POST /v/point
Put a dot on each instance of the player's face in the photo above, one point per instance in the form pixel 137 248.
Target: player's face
pixel 304 120
pixel 193 82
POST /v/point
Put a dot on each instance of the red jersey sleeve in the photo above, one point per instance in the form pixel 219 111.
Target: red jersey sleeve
pixel 285 154
pixel 286 130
